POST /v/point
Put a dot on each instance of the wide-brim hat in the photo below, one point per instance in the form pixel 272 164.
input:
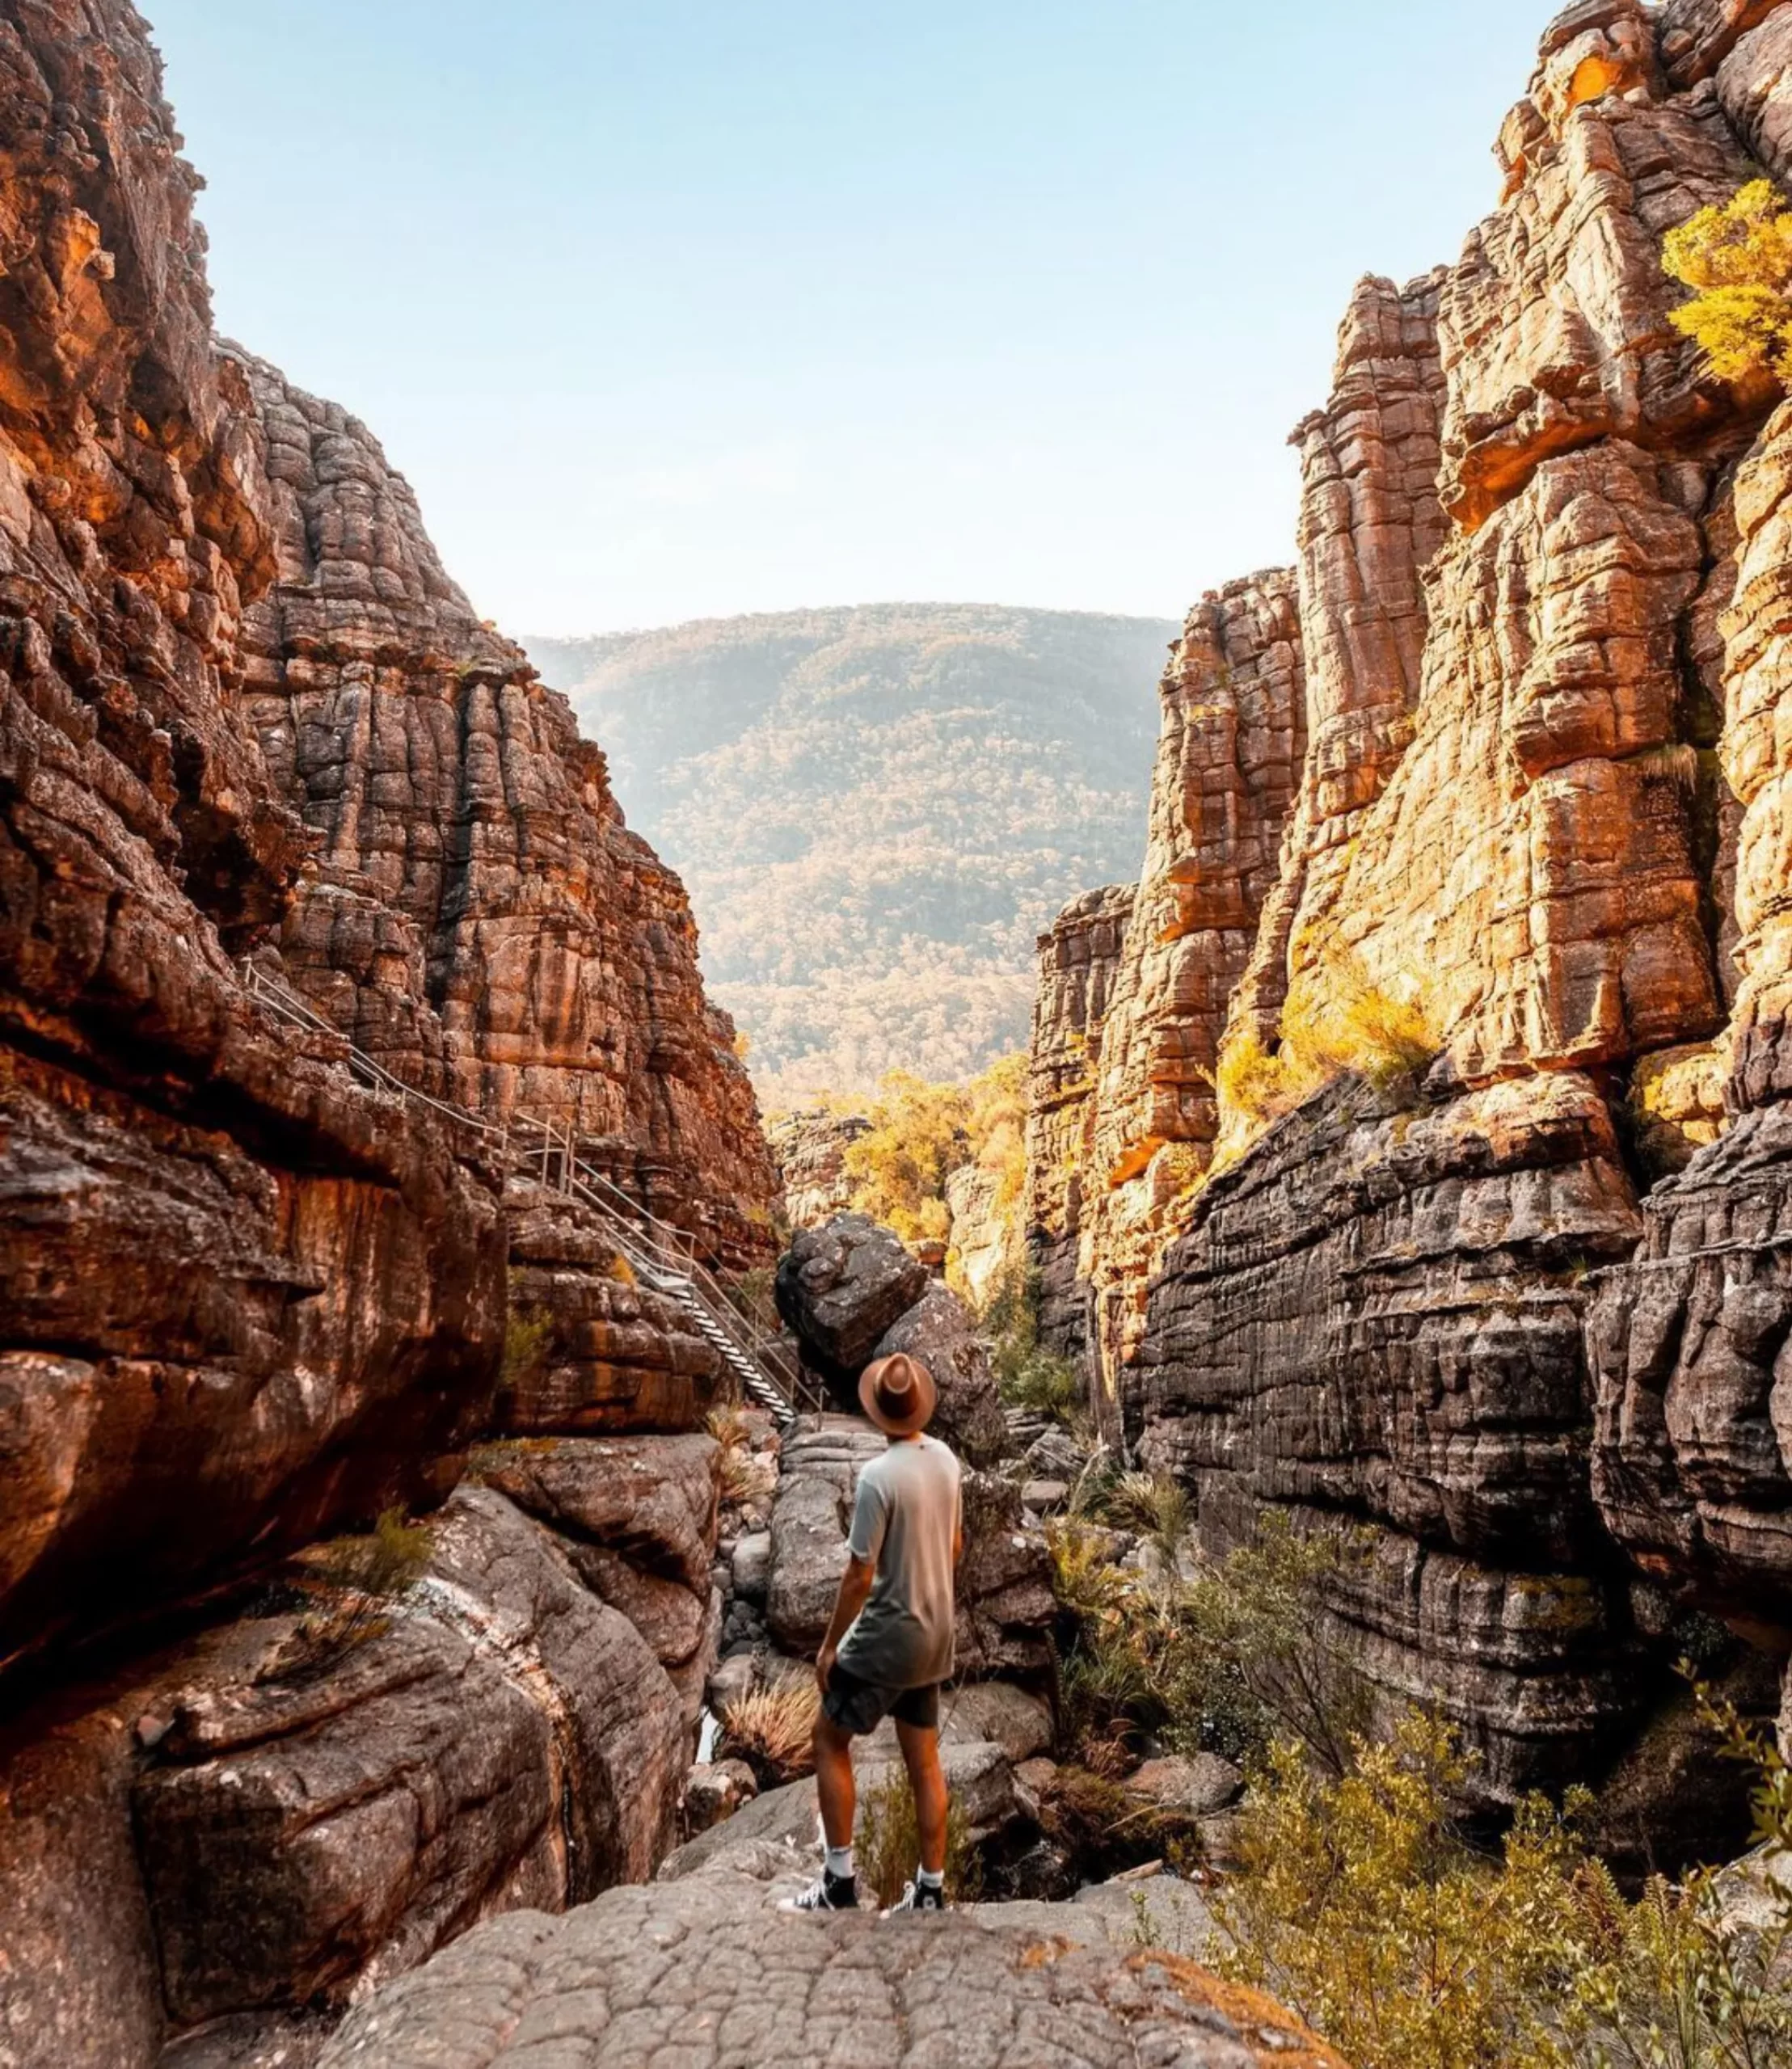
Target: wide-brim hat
pixel 899 1395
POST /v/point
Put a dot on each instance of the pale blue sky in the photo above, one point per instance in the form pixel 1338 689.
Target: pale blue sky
pixel 678 308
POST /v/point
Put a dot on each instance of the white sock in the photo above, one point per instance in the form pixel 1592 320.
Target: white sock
pixel 839 1863
pixel 930 1878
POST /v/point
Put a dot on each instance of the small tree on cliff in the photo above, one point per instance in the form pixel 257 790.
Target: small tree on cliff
pixel 1737 257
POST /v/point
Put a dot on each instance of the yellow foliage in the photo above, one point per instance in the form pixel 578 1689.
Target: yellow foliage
pixel 1335 1021
pixel 1737 257
pixel 921 1133
pixel 1362 1906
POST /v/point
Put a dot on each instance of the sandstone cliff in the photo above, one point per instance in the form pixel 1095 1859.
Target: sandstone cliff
pixel 1536 822
pixel 250 1299
pixel 242 1298
pixel 478 917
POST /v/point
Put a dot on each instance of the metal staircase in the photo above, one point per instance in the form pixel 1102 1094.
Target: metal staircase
pixel 742 1329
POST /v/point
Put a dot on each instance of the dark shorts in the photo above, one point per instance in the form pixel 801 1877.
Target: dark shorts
pixel 858 1707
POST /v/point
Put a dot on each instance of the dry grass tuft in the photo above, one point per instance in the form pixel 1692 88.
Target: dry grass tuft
pixel 888 1844
pixel 353 1582
pixel 772 1729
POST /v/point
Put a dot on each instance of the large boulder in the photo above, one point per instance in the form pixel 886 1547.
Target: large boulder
pixel 706 1972
pixel 637 1518
pixel 506 1741
pixel 812 1515
pixel 939 1331
pixel 839 1288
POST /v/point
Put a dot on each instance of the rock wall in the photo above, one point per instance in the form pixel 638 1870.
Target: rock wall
pixel 245 1301
pixel 1079 960
pixel 1538 818
pixel 242 1297
pixel 1229 756
pixel 478 916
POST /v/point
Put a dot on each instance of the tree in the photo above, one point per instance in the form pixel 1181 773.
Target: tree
pixel 1737 257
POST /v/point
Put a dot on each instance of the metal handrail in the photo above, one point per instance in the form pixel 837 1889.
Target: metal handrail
pixel 656 1248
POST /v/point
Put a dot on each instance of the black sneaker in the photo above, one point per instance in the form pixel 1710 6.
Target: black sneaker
pixel 918 1896
pixel 826 1893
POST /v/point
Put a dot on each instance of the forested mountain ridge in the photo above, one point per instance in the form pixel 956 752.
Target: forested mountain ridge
pixel 876 808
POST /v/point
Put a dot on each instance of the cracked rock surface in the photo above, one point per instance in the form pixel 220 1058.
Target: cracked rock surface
pixel 706 1973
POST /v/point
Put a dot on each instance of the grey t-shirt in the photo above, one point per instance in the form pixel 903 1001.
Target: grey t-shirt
pixel 905 1522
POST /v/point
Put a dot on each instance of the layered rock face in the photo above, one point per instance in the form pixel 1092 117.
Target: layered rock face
pixel 809 1149
pixel 1228 757
pixel 600 1351
pixel 249 1302
pixel 242 1297
pixel 1079 959
pixel 478 917
pixel 251 1824
pixel 1538 819
pixel 1370 522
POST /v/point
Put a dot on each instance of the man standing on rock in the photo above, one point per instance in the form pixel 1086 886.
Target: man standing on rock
pixel 889 1641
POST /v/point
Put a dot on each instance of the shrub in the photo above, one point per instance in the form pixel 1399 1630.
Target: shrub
pixel 353 1580
pixel 772 1730
pixel 1226 1664
pixel 921 1133
pixel 887 1842
pixel 1361 1905
pixel 1256 1664
pixel 741 1475
pixel 1150 1505
pixel 1737 257
pixel 1027 1375
pixel 1335 1021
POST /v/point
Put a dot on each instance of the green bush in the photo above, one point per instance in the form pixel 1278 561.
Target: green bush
pixel 1361 1905
pixel 1226 1664
pixel 1027 1375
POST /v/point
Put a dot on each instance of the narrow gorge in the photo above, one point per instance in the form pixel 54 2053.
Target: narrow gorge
pixel 429 1391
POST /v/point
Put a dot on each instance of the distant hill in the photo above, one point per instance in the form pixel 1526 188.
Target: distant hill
pixel 876 810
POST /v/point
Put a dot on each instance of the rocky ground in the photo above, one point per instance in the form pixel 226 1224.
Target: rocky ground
pixel 703 1973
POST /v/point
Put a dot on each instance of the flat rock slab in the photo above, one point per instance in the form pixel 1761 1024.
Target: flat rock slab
pixel 706 1973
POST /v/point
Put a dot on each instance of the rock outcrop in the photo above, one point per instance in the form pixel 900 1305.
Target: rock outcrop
pixel 251 737
pixel 250 1824
pixel 852 1291
pixel 594 1348
pixel 515 1744
pixel 244 1297
pixel 1528 906
pixel 1229 758
pixel 704 1971
pixel 810 1148
pixel 478 917
pixel 1078 960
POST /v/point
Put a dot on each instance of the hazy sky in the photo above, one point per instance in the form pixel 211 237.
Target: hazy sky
pixel 678 308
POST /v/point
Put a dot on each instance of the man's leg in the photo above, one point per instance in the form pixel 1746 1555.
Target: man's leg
pixel 920 1745
pixel 833 1782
